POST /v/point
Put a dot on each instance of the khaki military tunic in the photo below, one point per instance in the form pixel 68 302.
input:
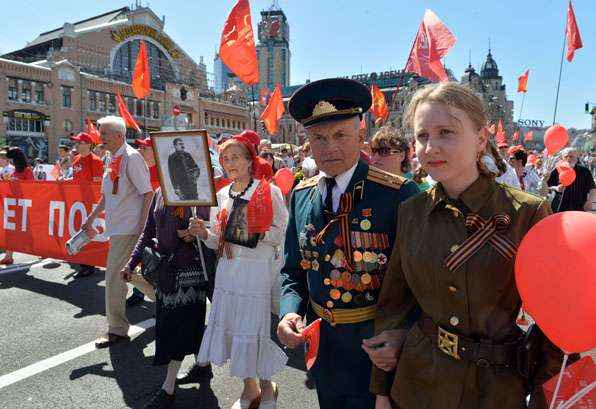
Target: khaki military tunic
pixel 478 300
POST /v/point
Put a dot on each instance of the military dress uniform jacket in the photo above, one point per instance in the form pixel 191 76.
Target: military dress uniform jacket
pixel 317 271
pixel 477 300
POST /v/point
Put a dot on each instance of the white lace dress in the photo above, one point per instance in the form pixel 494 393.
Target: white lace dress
pixel 240 319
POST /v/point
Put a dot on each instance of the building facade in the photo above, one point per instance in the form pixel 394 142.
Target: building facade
pixel 273 49
pixel 51 86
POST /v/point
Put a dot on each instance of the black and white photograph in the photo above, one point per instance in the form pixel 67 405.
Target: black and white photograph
pixel 184 167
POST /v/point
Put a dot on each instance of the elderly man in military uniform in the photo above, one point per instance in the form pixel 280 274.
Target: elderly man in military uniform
pixel 184 172
pixel 339 238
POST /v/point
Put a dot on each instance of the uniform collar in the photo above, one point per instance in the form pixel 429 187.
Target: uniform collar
pixel 474 197
pixel 342 180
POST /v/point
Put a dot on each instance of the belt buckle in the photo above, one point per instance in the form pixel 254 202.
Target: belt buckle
pixel 448 343
pixel 329 316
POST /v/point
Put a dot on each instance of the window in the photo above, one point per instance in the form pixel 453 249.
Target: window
pixel 147 109
pixel 67 97
pixel 92 101
pixel 111 103
pixel 13 91
pixel 130 105
pixel 67 125
pixel 217 122
pixel 139 110
pixel 101 102
pixel 25 122
pixel 26 91
pixel 228 123
pixel 39 94
pixel 155 113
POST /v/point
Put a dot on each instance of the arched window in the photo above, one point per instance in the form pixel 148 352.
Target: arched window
pixel 126 57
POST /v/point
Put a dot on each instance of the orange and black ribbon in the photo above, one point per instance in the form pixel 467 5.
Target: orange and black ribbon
pixel 346 204
pixel 483 231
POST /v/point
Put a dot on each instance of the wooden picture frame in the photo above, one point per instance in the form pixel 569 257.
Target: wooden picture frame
pixel 184 167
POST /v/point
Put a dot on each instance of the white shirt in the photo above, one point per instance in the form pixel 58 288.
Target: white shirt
pixel 123 209
pixel 341 183
pixel 531 181
pixel 6 172
pixel 509 177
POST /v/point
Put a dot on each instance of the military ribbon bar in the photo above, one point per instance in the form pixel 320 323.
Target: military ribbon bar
pixel 483 231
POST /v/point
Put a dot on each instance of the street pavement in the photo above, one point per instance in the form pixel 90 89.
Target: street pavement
pixel 48 321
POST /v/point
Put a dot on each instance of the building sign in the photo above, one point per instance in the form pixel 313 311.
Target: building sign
pixel 377 76
pixel 139 29
pixel 530 123
pixel 33 115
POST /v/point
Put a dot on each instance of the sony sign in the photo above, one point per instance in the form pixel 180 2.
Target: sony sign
pixel 530 123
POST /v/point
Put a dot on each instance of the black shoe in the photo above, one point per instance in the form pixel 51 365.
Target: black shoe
pixel 196 374
pixel 134 299
pixel 161 400
pixel 85 271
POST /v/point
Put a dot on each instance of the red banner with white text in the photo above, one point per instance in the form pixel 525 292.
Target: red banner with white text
pixel 39 217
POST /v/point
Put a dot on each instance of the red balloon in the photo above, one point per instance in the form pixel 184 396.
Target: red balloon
pixel 284 179
pixel 555 274
pixel 555 139
pixel 567 177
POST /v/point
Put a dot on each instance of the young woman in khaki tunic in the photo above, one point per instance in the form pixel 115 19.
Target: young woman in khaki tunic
pixel 453 261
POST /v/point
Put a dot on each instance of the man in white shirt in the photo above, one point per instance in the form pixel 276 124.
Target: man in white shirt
pixel 509 177
pixel 6 169
pixel 126 196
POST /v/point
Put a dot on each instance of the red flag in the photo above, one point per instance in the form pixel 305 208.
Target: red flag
pixel 529 136
pixel 141 76
pixel 379 106
pixel 92 130
pixel 433 41
pixel 130 121
pixel 516 136
pixel 522 82
pixel 576 378
pixel 574 40
pixel 237 46
pixel 501 137
pixel 274 111
pixel 311 335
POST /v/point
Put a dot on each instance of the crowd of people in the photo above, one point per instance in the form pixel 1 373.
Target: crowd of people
pixel 377 239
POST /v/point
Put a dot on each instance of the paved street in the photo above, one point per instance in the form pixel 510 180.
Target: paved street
pixel 47 324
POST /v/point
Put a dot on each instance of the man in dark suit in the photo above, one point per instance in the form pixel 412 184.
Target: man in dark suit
pixel 184 172
pixel 339 238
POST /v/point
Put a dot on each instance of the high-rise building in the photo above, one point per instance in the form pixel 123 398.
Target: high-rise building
pixel 222 75
pixel 273 49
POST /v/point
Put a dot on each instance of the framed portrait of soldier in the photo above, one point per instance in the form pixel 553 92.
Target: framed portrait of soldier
pixel 184 167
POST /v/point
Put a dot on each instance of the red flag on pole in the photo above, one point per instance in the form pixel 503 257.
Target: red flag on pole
pixel 574 40
pixel 237 46
pixel 274 111
pixel 522 82
pixel 516 136
pixel 433 41
pixel 141 76
pixel 130 121
pixel 529 136
pixel 379 106
pixel 501 137
pixel 92 130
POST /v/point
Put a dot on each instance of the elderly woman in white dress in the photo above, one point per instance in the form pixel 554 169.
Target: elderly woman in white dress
pixel 249 222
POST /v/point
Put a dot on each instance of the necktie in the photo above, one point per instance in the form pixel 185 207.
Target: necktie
pixel 330 184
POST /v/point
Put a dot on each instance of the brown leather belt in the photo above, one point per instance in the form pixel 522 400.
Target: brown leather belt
pixel 483 353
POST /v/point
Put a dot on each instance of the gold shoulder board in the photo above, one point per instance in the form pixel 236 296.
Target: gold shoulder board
pixel 307 183
pixel 385 178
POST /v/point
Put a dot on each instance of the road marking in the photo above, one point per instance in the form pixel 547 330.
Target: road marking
pixel 59 359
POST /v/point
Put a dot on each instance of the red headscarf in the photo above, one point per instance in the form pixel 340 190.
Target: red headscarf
pixel 260 206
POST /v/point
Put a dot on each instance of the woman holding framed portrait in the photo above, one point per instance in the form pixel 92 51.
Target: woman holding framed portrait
pixel 246 226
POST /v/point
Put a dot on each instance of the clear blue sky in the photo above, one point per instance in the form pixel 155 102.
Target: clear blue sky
pixel 345 37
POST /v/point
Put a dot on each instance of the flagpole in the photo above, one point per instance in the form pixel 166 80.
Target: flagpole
pixel 560 71
pixel 144 116
pixel 254 117
pixel 522 108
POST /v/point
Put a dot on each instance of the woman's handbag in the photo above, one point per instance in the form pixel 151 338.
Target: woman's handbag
pixel 157 269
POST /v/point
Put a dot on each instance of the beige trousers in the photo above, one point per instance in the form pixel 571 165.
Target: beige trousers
pixel 121 247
